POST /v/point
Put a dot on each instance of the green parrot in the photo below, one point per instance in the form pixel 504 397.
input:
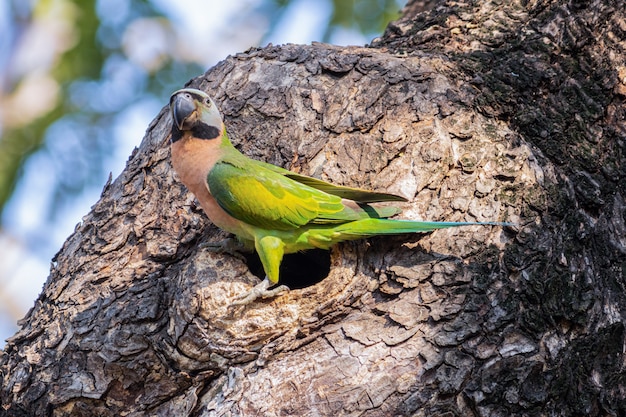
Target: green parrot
pixel 268 208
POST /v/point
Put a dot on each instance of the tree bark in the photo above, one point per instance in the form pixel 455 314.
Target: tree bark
pixel 509 111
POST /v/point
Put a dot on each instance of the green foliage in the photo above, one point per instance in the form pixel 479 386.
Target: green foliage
pixel 369 16
pixel 84 59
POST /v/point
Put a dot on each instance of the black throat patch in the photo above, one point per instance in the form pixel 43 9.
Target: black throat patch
pixel 177 134
pixel 198 131
pixel 204 131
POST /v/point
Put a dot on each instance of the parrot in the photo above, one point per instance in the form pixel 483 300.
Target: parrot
pixel 268 208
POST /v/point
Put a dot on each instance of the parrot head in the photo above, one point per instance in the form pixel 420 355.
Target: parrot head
pixel 193 111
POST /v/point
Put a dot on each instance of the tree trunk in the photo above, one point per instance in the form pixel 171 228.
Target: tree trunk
pixel 508 111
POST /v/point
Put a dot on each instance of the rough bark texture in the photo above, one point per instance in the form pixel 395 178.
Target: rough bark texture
pixel 474 111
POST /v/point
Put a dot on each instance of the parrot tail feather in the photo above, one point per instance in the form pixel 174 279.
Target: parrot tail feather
pixel 372 227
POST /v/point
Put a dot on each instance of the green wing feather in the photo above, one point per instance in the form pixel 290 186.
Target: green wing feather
pixel 349 193
pixel 268 199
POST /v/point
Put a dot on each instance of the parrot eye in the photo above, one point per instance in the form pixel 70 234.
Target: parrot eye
pixel 207 101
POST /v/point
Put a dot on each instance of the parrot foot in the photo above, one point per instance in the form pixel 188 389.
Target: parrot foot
pixel 229 245
pixel 261 290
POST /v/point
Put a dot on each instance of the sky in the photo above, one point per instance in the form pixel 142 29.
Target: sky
pixel 29 240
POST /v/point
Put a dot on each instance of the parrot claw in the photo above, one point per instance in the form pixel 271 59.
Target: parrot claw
pixel 261 290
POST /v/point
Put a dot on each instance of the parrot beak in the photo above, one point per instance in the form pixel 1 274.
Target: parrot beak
pixel 182 106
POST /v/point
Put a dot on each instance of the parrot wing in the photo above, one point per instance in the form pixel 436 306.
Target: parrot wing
pixel 349 193
pixel 264 198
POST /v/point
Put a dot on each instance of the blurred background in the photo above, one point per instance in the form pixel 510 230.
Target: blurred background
pixel 80 80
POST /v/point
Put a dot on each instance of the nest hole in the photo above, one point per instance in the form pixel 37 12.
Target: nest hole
pixel 298 270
